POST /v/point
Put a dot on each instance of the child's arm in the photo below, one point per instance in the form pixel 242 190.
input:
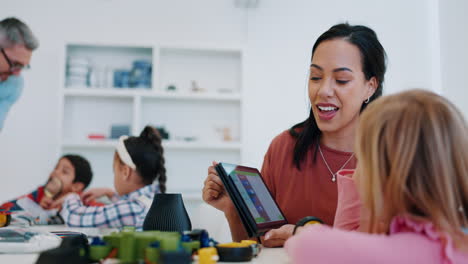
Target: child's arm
pixel 322 244
pixel 118 214
pixel 35 196
pixel 348 210
pixel 94 193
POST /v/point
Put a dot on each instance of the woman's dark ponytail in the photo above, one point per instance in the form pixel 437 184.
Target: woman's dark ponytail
pixel 148 155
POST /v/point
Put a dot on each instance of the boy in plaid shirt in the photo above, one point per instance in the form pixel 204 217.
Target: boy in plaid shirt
pixel 138 161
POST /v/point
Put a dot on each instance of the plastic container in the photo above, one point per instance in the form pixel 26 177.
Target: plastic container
pixel 141 74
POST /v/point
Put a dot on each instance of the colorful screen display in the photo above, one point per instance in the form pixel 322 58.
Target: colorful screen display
pixel 255 194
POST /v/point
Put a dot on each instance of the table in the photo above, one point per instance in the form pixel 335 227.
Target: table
pixel 267 255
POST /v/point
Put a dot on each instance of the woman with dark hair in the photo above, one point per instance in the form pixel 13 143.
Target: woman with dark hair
pixel 346 74
pixel 138 162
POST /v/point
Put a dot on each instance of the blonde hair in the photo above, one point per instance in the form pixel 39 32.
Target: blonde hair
pixel 412 149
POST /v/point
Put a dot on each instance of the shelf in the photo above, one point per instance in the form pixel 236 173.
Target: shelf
pixel 201 145
pixel 202 47
pixel 93 144
pixel 195 96
pixel 99 92
pixel 150 94
pixel 208 115
pixel 90 144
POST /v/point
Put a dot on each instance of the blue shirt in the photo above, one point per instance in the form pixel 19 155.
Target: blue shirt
pixel 10 91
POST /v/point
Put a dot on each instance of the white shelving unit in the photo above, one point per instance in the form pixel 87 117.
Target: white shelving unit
pixel 195 120
pixel 131 93
pixel 167 144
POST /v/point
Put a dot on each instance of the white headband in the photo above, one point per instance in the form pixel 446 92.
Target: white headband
pixel 123 153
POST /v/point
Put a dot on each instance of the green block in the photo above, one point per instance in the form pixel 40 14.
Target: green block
pixel 152 254
pixel 170 243
pixel 98 252
pixel 191 246
pixel 132 246
pixel 127 247
pixel 143 240
pixel 113 239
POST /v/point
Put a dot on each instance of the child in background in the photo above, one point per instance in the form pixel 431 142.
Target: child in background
pixel 71 174
pixel 412 179
pixel 138 162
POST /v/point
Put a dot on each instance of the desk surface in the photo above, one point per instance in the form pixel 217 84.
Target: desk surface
pixel 267 255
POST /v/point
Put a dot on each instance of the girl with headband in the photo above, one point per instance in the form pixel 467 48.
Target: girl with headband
pixel 138 163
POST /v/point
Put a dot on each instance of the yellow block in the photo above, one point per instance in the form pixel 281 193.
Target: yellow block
pixel 207 255
pixel 248 242
pixel 3 220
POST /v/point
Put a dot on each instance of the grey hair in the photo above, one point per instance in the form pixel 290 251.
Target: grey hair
pixel 14 32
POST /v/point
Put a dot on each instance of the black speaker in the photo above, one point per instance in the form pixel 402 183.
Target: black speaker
pixel 167 213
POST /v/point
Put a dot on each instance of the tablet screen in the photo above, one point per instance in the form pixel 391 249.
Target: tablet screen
pixel 255 194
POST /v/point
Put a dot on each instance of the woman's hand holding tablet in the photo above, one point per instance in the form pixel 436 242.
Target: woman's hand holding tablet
pixel 214 192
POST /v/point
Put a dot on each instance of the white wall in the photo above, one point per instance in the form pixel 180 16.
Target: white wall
pixel 454 51
pixel 29 141
pixel 280 39
pixel 278 36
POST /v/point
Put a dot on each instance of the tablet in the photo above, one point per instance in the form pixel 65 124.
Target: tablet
pixel 251 197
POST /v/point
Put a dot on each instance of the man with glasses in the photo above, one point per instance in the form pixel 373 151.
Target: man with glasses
pixel 17 43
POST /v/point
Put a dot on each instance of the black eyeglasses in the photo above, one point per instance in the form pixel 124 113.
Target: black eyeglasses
pixel 14 66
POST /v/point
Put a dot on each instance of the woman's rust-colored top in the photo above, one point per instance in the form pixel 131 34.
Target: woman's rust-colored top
pixel 310 191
